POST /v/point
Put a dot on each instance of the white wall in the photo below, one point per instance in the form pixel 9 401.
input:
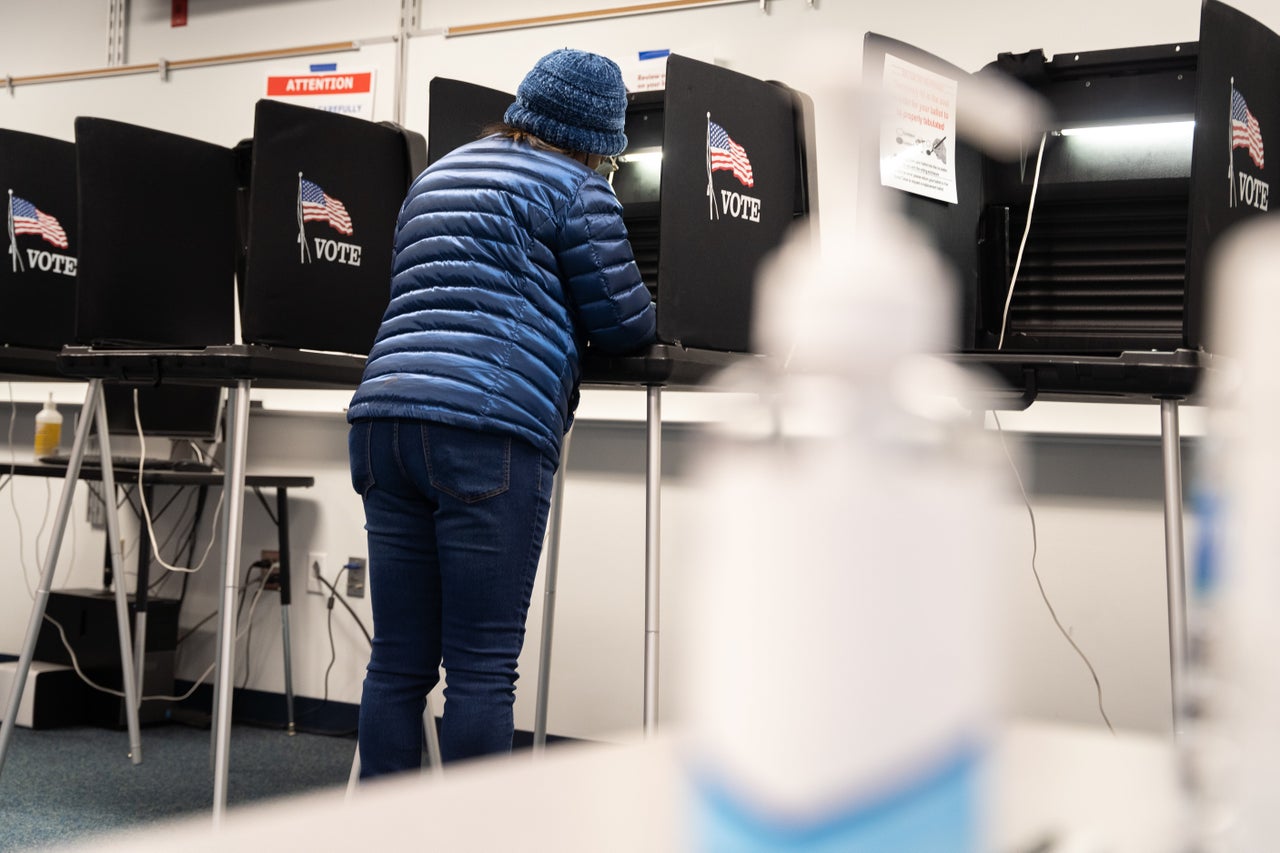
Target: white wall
pixel 1100 534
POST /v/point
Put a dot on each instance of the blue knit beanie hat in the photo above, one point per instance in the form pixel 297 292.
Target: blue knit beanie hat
pixel 574 100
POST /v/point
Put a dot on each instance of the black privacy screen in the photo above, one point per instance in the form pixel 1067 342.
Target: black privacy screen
pixel 323 199
pixel 38 268
pixel 157 237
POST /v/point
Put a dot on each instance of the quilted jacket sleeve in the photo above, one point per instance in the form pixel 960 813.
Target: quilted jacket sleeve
pixel 600 272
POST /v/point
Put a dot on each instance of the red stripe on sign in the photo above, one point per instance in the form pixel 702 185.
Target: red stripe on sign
pixel 320 84
pixel 178 17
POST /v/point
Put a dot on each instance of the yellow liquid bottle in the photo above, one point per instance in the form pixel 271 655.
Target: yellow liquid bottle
pixel 48 429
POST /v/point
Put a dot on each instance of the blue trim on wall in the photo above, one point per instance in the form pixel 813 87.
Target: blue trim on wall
pixel 314 716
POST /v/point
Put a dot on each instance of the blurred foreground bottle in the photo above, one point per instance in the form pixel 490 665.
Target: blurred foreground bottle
pixel 843 693
pixel 1232 745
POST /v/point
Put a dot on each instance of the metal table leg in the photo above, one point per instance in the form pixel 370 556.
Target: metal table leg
pixel 92 395
pixel 141 596
pixel 429 735
pixel 1175 569
pixel 233 487
pixel 432 739
pixel 286 598
pixel 549 601
pixel 652 558
pixel 129 678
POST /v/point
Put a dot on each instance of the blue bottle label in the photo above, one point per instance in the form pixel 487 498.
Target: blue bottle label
pixel 935 810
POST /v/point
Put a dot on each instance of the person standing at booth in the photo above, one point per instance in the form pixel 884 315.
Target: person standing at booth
pixel 510 256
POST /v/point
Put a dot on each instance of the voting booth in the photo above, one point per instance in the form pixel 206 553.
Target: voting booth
pixel 38 272
pixel 1152 155
pixel 714 175
pixel 323 194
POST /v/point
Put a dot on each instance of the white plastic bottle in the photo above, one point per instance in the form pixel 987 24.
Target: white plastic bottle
pixel 1232 747
pixel 48 429
pixel 843 691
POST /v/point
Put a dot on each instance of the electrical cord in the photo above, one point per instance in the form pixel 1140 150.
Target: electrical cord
pixel 13 454
pixel 13 462
pixel 205 458
pixel 158 514
pixel 1031 205
pixel 177 525
pixel 196 627
pixel 17 514
pixel 252 607
pixel 265 567
pixel 44 520
pixel 1004 320
pixel 1035 547
pixel 333 650
pixel 13 410
pixel 75 662
pixel 334 595
pixel 202 492
pixel 13 500
pixel 146 515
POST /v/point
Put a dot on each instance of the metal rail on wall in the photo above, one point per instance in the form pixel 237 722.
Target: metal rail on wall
pixel 592 15
pixel 163 66
pixel 410 15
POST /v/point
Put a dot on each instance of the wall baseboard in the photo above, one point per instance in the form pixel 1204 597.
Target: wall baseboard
pixel 267 709
pixel 264 708
pixel 312 716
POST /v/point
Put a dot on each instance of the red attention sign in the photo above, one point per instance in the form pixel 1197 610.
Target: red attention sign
pixel 320 84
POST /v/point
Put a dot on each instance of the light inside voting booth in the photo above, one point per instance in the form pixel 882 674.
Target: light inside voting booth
pixel 1147 161
pixel 1134 133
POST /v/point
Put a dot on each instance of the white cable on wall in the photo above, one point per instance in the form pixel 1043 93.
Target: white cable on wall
pixel 75 662
pixel 146 510
pixel 13 500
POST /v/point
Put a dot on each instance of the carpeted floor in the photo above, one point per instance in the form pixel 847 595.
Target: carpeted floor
pixel 59 785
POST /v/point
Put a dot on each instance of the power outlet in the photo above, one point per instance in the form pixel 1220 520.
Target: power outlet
pixel 355 577
pixel 273 579
pixel 317 565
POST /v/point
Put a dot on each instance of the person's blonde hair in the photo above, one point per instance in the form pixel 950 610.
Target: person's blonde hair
pixel 518 135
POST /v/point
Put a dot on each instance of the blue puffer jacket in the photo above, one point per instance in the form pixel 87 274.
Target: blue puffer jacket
pixel 507 260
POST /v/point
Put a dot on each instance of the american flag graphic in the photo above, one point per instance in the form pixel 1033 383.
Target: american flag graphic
pixel 1245 132
pixel 28 219
pixel 318 206
pixel 727 155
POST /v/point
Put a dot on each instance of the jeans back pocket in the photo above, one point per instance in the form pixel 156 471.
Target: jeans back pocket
pixel 466 464
pixel 358 438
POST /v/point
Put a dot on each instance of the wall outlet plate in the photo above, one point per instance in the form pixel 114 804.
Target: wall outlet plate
pixel 317 564
pixel 355 577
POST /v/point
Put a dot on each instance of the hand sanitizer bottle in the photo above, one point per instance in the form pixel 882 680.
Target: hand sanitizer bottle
pixel 48 429
pixel 1231 749
pixel 843 691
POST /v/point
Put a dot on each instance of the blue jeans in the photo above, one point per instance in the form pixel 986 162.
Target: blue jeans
pixel 455 520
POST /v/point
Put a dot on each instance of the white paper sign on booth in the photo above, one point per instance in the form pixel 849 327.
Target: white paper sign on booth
pixel 645 71
pixel 917 135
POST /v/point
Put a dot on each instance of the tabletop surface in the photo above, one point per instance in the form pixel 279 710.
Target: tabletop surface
pixel 129 475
